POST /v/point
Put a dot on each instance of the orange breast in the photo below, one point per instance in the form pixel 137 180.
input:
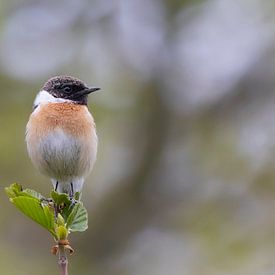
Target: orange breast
pixel 74 119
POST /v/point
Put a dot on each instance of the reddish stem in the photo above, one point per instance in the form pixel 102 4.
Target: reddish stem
pixel 62 260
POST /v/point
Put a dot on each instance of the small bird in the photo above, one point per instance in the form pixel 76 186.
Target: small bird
pixel 61 133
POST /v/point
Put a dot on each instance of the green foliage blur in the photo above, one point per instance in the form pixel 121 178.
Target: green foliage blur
pixel 184 182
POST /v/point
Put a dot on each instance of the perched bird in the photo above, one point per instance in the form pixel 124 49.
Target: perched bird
pixel 61 134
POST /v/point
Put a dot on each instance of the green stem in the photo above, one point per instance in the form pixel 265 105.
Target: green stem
pixel 62 260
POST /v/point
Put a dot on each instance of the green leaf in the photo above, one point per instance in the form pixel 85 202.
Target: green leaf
pixel 60 198
pixel 31 193
pixel 60 220
pixel 16 190
pixel 77 196
pixel 33 209
pixel 61 232
pixel 63 203
pixel 13 190
pixel 71 215
pixel 78 218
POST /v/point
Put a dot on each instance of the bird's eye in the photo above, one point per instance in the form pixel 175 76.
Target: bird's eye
pixel 67 89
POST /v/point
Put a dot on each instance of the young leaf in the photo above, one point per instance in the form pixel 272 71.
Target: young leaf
pixel 60 198
pixel 78 218
pixel 63 203
pixel 16 190
pixel 31 193
pixel 13 190
pixel 32 208
pixel 60 220
pixel 61 232
pixel 77 196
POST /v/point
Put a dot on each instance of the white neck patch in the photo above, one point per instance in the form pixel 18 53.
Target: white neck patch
pixel 43 97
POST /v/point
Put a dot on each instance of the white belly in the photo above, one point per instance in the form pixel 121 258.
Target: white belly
pixel 64 157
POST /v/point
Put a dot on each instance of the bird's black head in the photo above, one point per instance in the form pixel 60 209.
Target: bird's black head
pixel 68 87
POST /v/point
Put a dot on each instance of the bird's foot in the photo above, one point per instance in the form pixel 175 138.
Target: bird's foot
pixel 56 186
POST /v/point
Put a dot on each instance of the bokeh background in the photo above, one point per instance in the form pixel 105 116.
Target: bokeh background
pixel 185 178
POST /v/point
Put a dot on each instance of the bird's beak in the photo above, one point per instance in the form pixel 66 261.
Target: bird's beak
pixel 86 91
pixel 91 90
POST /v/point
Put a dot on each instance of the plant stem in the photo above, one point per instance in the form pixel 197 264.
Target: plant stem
pixel 62 260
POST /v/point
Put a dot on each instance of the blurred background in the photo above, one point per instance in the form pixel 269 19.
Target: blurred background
pixel 185 178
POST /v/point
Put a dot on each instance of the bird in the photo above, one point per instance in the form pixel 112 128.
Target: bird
pixel 61 133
